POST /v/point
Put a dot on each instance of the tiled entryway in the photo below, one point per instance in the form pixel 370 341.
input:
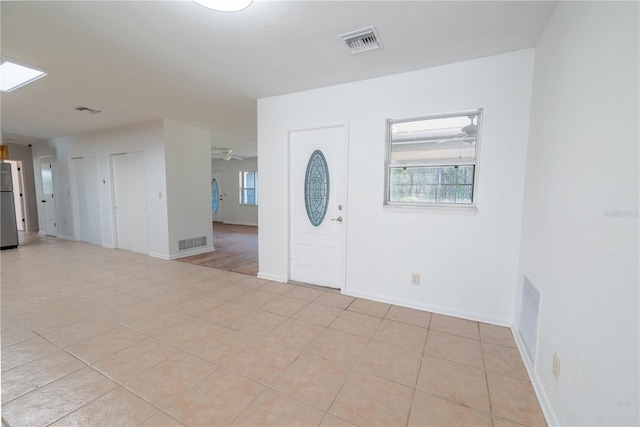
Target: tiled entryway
pixel 97 337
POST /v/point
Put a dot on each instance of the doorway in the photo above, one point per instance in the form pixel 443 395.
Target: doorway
pixel 17 179
pixel 47 202
pixel 217 197
pixel 317 204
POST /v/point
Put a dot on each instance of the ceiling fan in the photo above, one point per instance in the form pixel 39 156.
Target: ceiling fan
pixel 224 154
pixel 467 133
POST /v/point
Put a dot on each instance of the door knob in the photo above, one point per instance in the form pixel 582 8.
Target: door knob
pixel 43 201
pixel 339 219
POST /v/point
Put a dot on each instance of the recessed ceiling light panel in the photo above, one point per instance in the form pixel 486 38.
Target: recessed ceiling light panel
pixel 14 75
pixel 225 5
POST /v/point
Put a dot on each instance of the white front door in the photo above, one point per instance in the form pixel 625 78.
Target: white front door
pixel 318 208
pixel 47 202
pixel 217 196
pixel 130 196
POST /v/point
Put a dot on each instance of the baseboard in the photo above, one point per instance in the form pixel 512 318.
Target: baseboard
pixel 108 246
pixel 447 311
pixel 237 223
pixel 191 252
pixel 42 233
pixel 545 404
pixel 72 239
pixel 272 277
pixel 159 255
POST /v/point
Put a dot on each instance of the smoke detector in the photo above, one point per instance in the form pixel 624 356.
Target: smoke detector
pixel 362 40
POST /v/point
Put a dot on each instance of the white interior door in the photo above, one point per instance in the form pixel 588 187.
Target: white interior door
pixel 130 196
pixel 47 202
pixel 317 241
pixel 86 186
pixel 216 190
pixel 18 193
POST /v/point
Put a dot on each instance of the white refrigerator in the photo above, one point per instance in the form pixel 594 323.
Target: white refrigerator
pixel 9 229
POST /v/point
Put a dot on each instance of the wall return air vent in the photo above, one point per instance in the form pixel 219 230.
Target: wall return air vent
pixel 195 242
pixel 362 40
pixel 529 317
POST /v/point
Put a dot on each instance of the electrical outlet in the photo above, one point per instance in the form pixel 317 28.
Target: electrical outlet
pixel 556 366
pixel 415 278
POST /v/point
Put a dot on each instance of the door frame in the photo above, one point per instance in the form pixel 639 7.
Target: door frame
pixel 345 172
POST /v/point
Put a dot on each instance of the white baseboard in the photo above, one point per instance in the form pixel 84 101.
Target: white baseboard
pixel 237 223
pixel 72 239
pixel 159 255
pixel 447 311
pixel 547 409
pixel 108 246
pixel 184 254
pixel 272 277
pixel 42 233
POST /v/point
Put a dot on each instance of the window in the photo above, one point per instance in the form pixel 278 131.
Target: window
pixel 433 160
pixel 215 196
pixel 248 188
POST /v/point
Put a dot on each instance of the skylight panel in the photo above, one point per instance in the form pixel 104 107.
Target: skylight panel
pixel 13 76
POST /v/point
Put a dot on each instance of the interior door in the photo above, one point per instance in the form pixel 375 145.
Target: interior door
pixel 318 206
pixel 130 196
pixel 18 193
pixel 216 193
pixel 86 186
pixel 47 202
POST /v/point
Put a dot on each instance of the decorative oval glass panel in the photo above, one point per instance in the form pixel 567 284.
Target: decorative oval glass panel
pixel 316 188
pixel 215 196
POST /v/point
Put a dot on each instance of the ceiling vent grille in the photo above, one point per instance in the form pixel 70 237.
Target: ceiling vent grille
pixel 362 40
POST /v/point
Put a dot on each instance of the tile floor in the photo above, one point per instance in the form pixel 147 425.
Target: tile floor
pixel 97 337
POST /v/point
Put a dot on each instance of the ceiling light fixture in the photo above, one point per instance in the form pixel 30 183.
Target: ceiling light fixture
pixel 225 5
pixel 14 76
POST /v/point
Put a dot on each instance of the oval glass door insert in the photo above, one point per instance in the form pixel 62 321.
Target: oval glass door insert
pixel 215 196
pixel 316 188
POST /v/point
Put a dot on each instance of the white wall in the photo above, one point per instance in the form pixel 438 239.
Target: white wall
pixel 25 154
pixel 582 162
pixel 188 195
pixel 147 137
pixel 467 263
pixel 232 211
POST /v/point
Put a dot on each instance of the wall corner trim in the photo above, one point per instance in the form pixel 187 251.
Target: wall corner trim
pixel 547 410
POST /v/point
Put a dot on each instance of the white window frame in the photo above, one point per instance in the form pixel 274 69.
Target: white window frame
pixel 443 163
pixel 243 187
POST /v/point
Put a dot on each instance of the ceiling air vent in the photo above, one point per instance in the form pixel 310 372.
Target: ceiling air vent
pixel 362 40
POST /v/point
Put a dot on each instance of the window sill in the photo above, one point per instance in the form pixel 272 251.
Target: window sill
pixel 466 210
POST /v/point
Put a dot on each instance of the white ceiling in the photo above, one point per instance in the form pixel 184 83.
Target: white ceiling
pixel 138 61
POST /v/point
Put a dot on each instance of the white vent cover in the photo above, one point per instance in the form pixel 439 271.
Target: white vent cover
pixel 362 40
pixel 192 243
pixel 529 313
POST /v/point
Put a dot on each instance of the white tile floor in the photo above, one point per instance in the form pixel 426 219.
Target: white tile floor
pixel 98 337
